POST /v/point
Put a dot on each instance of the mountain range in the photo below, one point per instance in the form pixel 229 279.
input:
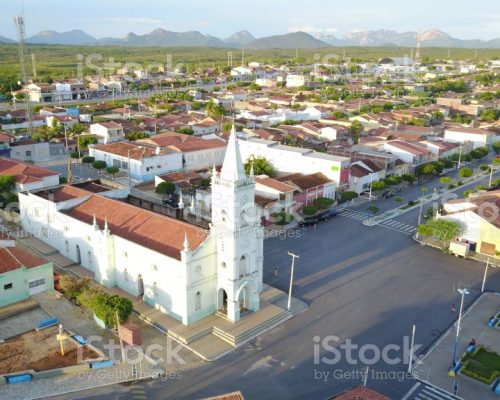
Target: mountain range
pixel 244 39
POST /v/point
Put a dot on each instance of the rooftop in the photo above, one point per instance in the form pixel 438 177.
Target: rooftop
pixel 23 172
pixel 12 258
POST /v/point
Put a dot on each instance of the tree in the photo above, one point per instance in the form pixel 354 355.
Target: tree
pixel 73 285
pixel 398 199
pixel 132 136
pixel 62 180
pixel 309 210
pixel 423 190
pixel 213 109
pixel 112 171
pixel 186 131
pixel 165 188
pixel 323 202
pixel 440 229
pixel 106 307
pixel 346 196
pixel 99 165
pixel 373 209
pixel 378 185
pixel 408 178
pixel 77 129
pixel 465 172
pixel 261 166
pixel 489 115
pixel 445 180
pixel 7 183
pixel 85 140
pixel 88 160
pixel 76 154
pixel 496 147
pixel 355 131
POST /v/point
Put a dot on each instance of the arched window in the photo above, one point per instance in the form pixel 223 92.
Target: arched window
pixel 224 265
pixel 243 265
pixel 66 243
pixel 244 218
pixel 155 289
pixel 125 274
pixel 197 301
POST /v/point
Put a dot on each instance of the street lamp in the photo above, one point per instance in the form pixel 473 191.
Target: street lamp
pixel 294 256
pixel 459 156
pixel 371 183
pixel 463 292
pixel 486 273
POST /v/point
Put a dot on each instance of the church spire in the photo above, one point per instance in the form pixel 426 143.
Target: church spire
pixel 232 168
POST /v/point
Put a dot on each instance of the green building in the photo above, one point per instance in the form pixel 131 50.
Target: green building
pixel 22 275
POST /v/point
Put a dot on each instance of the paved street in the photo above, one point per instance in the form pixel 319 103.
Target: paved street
pixel 367 284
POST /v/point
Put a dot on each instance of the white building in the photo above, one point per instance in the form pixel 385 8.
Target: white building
pixel 182 270
pixel 28 176
pixel 293 80
pixel 107 131
pixel 479 137
pixel 288 159
pixel 143 162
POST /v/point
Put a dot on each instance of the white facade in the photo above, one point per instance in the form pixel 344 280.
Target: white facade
pixel 293 80
pixel 221 271
pixel 288 159
pixel 143 169
pixel 107 132
pixel 479 137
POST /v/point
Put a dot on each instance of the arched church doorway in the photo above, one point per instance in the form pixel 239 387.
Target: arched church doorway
pixel 222 301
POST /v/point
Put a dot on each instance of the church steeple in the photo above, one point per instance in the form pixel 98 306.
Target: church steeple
pixel 232 168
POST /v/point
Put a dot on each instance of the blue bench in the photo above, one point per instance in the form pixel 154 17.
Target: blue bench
pixel 46 323
pixel 492 322
pixel 19 378
pixel 470 348
pixel 80 339
pixel 101 364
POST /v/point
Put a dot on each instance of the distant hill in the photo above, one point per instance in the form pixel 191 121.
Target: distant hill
pixel 76 36
pixel 239 39
pixel 163 38
pixel 294 40
pixel 3 39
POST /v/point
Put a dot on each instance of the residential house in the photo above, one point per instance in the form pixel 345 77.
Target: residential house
pixel 409 152
pixel 309 187
pixel 29 150
pixel 28 176
pixel 22 274
pixel 107 131
pixel 273 196
pixel 205 127
pixel 362 174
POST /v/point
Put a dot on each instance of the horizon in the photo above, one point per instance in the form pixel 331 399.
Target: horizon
pixel 483 20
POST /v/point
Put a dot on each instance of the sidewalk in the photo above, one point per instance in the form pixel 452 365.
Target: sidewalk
pixel 434 366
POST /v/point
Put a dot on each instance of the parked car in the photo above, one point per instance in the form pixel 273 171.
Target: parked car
pixel 309 221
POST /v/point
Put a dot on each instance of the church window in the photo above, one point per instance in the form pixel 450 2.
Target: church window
pixel 66 228
pixel 66 243
pixel 125 254
pixel 89 256
pixel 243 265
pixel 155 289
pixel 223 264
pixel 37 212
pixel 198 270
pixel 223 216
pixel 154 267
pixel 222 245
pixel 125 274
pixel 197 301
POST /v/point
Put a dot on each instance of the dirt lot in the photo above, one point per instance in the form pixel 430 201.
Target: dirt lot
pixel 40 351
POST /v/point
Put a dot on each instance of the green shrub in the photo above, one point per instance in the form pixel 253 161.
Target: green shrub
pixel 309 210
pixel 346 196
pixel 323 202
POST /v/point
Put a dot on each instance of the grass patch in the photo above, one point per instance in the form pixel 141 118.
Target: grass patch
pixel 482 365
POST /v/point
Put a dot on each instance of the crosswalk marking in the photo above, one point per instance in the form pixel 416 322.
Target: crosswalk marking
pixel 422 391
pixel 389 224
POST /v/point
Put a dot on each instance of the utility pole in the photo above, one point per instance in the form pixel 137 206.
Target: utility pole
pixel 294 256
pixel 485 274
pixel 33 63
pixel 491 175
pixel 410 363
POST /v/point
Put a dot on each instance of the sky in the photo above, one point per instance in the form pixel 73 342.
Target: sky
pixel 463 19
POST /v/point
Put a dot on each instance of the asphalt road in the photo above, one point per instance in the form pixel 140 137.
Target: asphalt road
pixel 366 284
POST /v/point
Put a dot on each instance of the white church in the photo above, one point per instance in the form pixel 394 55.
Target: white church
pixel 184 271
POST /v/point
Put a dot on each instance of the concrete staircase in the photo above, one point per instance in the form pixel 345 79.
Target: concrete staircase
pixel 236 337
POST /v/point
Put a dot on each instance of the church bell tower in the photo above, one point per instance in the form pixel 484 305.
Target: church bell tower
pixel 239 235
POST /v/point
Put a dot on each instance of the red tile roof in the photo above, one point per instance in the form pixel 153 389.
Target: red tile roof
pixel 12 258
pixel 360 393
pixel 274 184
pixel 146 228
pixel 181 142
pixel 23 172
pixel 137 152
